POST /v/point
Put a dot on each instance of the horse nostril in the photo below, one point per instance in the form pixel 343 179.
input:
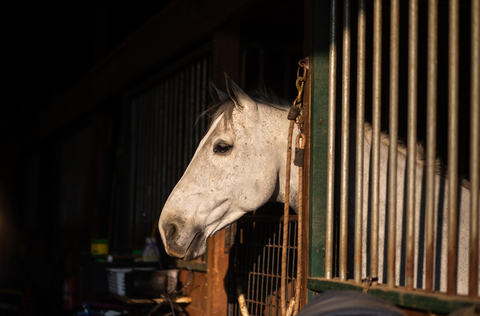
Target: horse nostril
pixel 171 231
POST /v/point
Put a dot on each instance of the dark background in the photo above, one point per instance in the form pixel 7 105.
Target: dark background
pixel 47 48
pixel 52 47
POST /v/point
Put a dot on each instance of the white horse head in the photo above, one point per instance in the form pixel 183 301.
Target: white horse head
pixel 238 166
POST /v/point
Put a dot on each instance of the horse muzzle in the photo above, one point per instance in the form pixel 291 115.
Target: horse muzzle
pixel 183 244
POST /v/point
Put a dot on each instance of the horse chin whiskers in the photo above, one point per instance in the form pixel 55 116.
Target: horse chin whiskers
pixel 193 250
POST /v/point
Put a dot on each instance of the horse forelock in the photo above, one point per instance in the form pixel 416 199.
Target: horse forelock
pixel 263 97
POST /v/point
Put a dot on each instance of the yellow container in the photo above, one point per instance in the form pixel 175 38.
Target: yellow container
pixel 99 247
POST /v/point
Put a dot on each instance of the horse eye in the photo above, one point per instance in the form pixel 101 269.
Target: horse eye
pixel 221 148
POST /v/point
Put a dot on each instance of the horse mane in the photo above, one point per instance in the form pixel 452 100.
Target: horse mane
pixel 263 96
pixel 420 158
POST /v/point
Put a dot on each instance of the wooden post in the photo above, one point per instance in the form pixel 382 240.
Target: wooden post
pixel 226 56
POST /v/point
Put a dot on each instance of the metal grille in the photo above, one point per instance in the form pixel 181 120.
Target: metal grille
pixel 166 127
pixel 422 233
pixel 257 264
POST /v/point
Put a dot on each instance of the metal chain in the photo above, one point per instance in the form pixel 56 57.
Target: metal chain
pixel 295 116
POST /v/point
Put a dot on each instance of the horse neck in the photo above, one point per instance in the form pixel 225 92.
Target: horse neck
pixel 282 126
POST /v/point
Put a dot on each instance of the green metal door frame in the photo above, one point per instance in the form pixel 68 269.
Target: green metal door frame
pixel 318 138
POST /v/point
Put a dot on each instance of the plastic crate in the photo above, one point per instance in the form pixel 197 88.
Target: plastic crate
pixel 116 280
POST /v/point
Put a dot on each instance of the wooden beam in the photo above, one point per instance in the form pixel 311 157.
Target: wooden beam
pixel 226 56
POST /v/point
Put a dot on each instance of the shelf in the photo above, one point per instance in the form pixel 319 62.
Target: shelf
pixel 144 301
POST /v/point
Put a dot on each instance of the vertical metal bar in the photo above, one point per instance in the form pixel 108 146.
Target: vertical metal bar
pixel 279 255
pixel 262 287
pixel 393 131
pixel 161 143
pixel 150 161
pixel 165 155
pixel 332 90
pixel 291 258
pixel 453 55
pixel 181 121
pixel 204 95
pixel 176 118
pixel 270 252
pixel 147 99
pixel 170 130
pixel 361 34
pixel 194 114
pixel 432 60
pixel 345 141
pixel 133 170
pixel 250 263
pixel 188 123
pixel 376 116
pixel 412 138
pixel 139 188
pixel 144 181
pixel 256 273
pixel 156 162
pixel 198 93
pixel 474 145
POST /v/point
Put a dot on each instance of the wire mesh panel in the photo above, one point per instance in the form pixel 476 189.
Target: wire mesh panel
pixel 256 262
pixel 165 128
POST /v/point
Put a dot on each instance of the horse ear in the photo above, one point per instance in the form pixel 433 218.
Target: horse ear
pixel 238 96
pixel 216 94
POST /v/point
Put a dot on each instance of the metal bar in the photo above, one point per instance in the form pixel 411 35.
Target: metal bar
pixel 191 142
pixel 143 183
pixel 181 121
pixel 345 141
pixel 156 162
pixel 412 138
pixel 139 188
pixel 265 229
pixel 171 124
pixel 177 124
pixel 361 34
pixel 393 130
pixel 204 97
pixel 146 167
pixel 332 89
pixel 277 243
pixel 198 129
pixel 161 142
pixel 133 170
pixel 453 56
pixel 376 117
pixel 270 254
pixel 250 263
pixel 474 145
pixel 432 60
pixel 278 284
pixel 256 269
pixel 293 262
pixel 149 166
pixel 166 119
pixel 186 114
